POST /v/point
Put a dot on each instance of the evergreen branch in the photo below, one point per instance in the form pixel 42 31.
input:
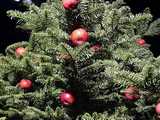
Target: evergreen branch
pixel 16 95
pixel 154 28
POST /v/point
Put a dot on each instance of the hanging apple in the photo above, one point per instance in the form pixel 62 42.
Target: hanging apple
pixel 79 36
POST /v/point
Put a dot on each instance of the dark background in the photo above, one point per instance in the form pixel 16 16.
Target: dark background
pixel 9 34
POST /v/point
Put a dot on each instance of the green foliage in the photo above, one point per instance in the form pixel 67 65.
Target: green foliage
pixel 39 69
pixel 97 79
pixel 104 116
pixel 154 28
pixel 95 116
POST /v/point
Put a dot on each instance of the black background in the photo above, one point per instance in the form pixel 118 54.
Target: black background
pixel 9 34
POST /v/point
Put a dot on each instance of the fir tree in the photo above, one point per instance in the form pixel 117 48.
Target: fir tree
pixel 110 71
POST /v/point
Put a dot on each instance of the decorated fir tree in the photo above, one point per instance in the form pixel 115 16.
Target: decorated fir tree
pixel 85 60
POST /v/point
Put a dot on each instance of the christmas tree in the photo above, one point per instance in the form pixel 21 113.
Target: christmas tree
pixel 85 60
